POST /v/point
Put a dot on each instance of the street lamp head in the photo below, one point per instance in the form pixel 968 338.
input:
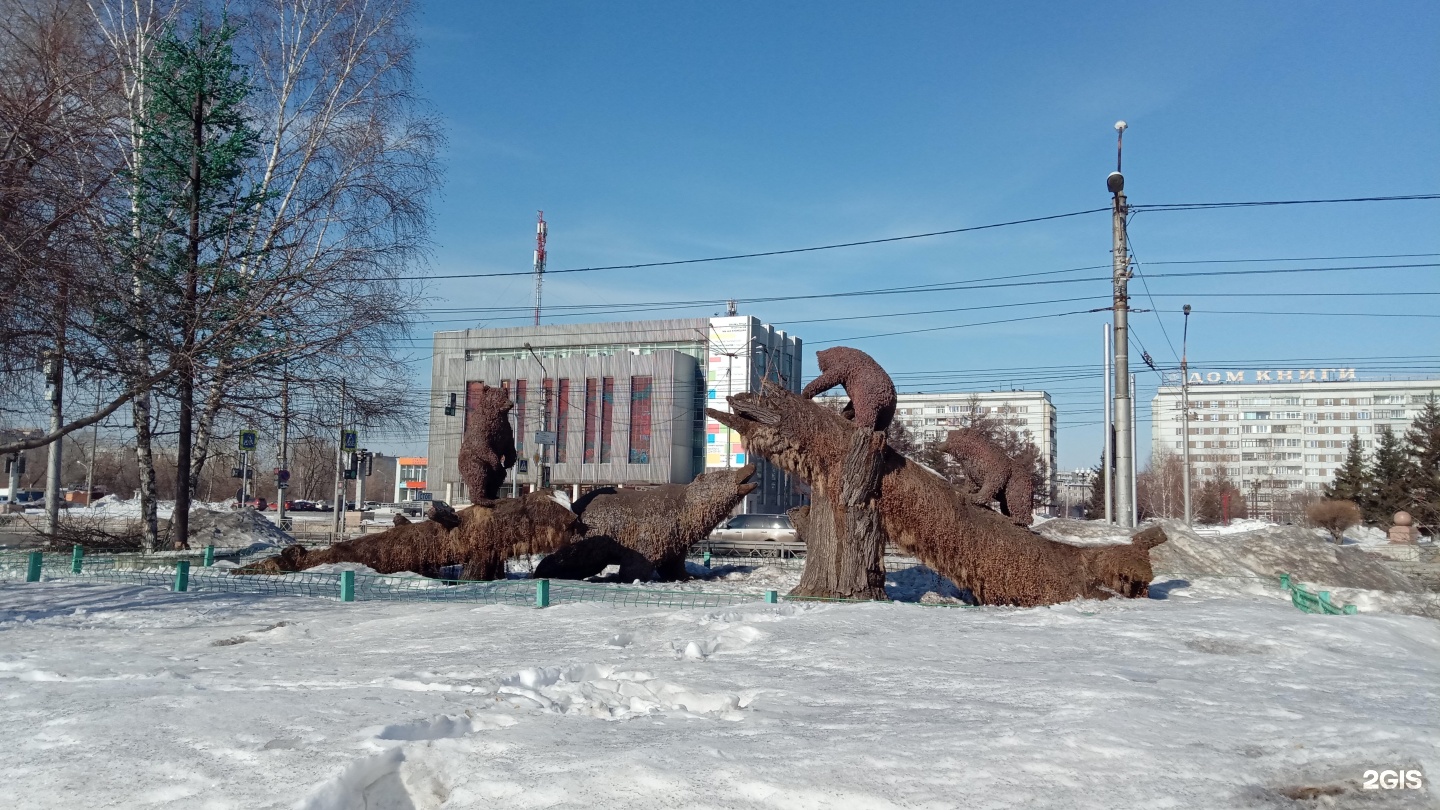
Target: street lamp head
pixel 1120 126
pixel 1115 182
pixel 1187 309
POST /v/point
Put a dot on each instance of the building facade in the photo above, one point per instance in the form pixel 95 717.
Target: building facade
pixel 1031 414
pixel 1279 433
pixel 410 479
pixel 612 404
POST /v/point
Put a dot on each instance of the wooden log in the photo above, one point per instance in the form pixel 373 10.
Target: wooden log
pixel 998 562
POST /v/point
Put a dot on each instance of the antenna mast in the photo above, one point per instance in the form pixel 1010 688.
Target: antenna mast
pixel 540 230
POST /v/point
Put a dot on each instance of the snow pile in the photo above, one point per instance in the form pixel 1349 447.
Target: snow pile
pixel 1224 701
pixel 1251 561
pixel 243 528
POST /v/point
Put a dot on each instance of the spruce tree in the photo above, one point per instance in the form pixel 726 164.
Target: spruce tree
pixel 1390 478
pixel 1423 443
pixel 193 206
pixel 1352 481
pixel 1095 509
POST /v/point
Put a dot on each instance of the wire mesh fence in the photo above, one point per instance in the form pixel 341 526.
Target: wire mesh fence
pixel 197 571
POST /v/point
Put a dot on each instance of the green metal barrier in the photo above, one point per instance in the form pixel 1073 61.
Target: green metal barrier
pixel 1314 602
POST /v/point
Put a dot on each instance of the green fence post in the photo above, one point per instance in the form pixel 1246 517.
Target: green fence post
pixel 347 586
pixel 542 593
pixel 32 570
pixel 1325 606
pixel 772 597
pixel 1285 581
pixel 77 557
pixel 182 576
pixel 209 555
pixel 707 559
pixel 1351 610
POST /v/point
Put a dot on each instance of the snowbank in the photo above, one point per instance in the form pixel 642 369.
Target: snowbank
pixel 132 697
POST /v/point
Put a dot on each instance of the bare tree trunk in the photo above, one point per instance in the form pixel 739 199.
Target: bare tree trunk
pixel 145 458
pixel 844 542
pixel 205 427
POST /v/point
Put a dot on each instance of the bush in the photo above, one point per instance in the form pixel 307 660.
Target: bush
pixel 1334 517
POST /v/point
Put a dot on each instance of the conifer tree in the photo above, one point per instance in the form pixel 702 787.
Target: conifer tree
pixel 1095 509
pixel 1423 443
pixel 1352 481
pixel 193 204
pixel 1390 476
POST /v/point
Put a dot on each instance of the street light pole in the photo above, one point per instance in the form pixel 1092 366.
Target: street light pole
pixel 1185 408
pixel 1124 456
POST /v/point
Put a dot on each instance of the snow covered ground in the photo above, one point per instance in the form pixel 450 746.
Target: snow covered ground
pixel 129 697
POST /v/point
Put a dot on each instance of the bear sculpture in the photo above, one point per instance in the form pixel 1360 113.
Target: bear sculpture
pixel 996 475
pixel 660 524
pixel 871 391
pixel 488 449
pixel 483 538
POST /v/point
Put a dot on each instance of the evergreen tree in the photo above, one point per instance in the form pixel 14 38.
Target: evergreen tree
pixel 193 205
pixel 1390 478
pixel 1423 443
pixel 1352 481
pixel 1095 509
pixel 1218 497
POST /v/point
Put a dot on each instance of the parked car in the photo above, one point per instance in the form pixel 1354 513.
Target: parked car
pixel 755 529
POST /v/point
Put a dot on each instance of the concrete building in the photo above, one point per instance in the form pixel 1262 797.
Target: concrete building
pixel 1073 491
pixel 612 404
pixel 929 417
pixel 1281 432
pixel 410 479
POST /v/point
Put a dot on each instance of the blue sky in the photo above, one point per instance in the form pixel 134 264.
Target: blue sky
pixel 663 131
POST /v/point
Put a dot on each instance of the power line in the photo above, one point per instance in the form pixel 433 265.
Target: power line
pixel 1259 203
pixel 787 251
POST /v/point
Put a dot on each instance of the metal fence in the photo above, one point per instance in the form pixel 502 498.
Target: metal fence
pixel 195 571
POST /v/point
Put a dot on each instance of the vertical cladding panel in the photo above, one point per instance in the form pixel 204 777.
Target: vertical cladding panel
pixel 591 418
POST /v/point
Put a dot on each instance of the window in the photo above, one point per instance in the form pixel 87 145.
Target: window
pixel 607 418
pixel 562 418
pixel 592 418
pixel 640 419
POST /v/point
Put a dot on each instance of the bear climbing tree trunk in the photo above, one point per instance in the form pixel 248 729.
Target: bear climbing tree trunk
pixel 844 540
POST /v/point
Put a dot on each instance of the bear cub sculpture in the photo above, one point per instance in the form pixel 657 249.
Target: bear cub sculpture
pixel 997 476
pixel 871 391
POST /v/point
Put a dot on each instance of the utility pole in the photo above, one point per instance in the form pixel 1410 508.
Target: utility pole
pixel 1124 405
pixel 54 393
pixel 541 231
pixel 1185 419
pixel 338 523
pixel 1108 460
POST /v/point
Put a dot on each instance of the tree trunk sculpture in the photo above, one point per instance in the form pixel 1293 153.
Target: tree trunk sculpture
pixel 998 562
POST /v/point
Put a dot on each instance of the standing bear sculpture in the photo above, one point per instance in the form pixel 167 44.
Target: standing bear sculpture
pixel 488 449
pixel 871 391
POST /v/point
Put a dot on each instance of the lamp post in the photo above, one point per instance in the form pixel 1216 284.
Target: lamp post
pixel 1185 407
